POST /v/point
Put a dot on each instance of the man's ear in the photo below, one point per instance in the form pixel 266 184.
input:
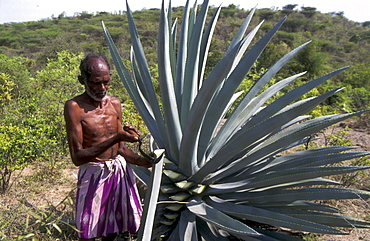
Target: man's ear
pixel 81 80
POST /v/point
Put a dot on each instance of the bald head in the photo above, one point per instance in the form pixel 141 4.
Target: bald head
pixel 90 64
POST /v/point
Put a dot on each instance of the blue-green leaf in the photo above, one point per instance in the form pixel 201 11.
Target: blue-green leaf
pixel 131 88
pixel 272 218
pixel 296 195
pixel 217 218
pixel 170 108
pixel 150 203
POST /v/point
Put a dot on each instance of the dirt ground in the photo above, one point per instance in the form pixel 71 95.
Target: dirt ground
pixel 360 137
pixel 37 188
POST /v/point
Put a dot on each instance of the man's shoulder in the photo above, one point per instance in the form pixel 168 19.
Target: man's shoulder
pixel 74 101
pixel 114 100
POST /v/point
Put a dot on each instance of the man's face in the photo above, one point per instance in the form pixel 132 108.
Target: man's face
pixel 97 84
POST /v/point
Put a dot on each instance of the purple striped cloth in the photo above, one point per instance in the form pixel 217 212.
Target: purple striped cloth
pixel 107 199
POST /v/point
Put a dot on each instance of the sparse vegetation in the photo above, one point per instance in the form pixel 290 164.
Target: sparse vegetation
pixel 38 69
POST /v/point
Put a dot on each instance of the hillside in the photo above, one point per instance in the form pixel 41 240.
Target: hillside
pixel 38 69
pixel 336 41
pixel 340 41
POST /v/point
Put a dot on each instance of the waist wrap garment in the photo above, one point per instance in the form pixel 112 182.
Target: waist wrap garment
pixel 107 199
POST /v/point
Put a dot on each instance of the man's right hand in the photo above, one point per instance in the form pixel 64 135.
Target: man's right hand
pixel 128 136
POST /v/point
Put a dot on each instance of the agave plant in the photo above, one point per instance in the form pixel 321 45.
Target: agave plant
pixel 235 181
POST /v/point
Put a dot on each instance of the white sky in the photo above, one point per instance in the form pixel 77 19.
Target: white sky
pixel 34 10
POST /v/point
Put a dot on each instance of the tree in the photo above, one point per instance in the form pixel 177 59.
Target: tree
pixel 21 144
pixel 290 6
pixel 32 125
pixel 310 59
pixel 366 24
pixel 6 89
pixel 309 12
pixel 18 71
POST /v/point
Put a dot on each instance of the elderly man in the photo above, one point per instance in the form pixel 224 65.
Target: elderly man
pixel 107 199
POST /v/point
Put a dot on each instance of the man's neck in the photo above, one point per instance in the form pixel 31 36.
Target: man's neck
pixel 94 101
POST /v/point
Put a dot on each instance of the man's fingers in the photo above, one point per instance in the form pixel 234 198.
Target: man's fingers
pixel 129 128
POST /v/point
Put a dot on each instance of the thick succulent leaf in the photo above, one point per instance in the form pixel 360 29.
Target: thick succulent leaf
pixel 300 183
pixel 209 232
pixel 271 110
pixel 174 176
pixel 245 44
pixel 247 107
pixel 138 82
pixel 303 141
pixel 336 158
pixel 192 64
pixel 290 123
pixel 296 133
pixel 301 205
pixel 217 218
pixel 294 121
pixel 213 117
pixel 282 139
pixel 170 108
pixel 214 114
pixel 308 158
pixel 145 74
pixel 226 92
pixel 131 88
pixel 241 31
pixel 324 218
pixel 285 178
pixel 278 141
pixel 181 54
pixel 207 132
pixel 277 236
pixel 311 161
pixel 264 123
pixel 262 129
pixel 233 124
pixel 142 173
pixel 187 226
pixel 141 61
pixel 236 77
pixel 181 196
pixel 205 44
pixel 175 234
pixel 290 97
pixel 172 40
pixel 261 238
pixel 281 163
pixel 137 77
pixel 296 195
pixel 214 79
pixel 243 185
pixel 173 48
pixel 210 86
pixel 269 217
pixel 150 203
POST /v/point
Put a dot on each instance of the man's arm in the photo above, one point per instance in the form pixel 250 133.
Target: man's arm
pixel 80 155
pixel 131 157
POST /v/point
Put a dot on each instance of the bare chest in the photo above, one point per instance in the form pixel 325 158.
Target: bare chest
pixel 100 123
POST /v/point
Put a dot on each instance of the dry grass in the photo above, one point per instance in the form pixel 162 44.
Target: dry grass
pixel 39 197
